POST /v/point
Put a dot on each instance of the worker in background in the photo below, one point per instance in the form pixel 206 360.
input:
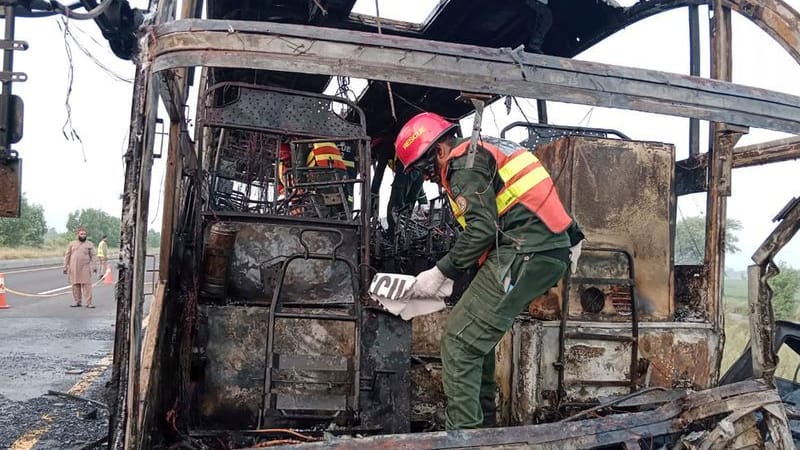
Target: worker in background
pixel 407 190
pixel 102 254
pixel 328 155
pixel 79 263
pixel 284 166
pixel 406 193
pixel 514 224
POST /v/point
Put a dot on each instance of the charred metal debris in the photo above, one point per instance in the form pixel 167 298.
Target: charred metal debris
pixel 261 332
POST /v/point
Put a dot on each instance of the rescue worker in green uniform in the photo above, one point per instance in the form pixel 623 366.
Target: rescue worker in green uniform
pixel 406 192
pixel 514 226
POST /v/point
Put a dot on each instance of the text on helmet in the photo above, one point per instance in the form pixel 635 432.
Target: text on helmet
pixel 413 137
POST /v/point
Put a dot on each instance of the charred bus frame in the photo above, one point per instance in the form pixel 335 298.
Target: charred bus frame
pixel 171 47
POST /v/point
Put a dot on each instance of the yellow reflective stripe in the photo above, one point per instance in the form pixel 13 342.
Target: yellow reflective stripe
pixel 516 164
pixel 459 215
pixel 313 160
pixel 521 186
pixel 329 157
pixel 349 163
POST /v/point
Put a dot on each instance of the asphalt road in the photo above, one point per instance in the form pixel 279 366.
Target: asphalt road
pixel 46 345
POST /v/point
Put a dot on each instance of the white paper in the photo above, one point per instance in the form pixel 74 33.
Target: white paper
pixel 388 290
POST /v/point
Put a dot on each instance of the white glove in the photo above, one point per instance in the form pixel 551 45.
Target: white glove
pixel 430 284
pixel 446 289
pixel 574 254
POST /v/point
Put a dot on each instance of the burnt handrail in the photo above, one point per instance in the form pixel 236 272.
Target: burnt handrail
pixel 562 333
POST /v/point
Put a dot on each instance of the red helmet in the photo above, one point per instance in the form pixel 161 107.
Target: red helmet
pixel 418 135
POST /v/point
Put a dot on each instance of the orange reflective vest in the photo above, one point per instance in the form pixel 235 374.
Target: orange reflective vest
pixel 525 181
pixel 326 154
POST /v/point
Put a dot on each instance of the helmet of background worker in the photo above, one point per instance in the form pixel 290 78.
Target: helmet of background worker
pixel 418 135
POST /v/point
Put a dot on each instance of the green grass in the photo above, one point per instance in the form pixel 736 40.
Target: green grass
pixel 737 330
pixel 30 252
pixel 737 334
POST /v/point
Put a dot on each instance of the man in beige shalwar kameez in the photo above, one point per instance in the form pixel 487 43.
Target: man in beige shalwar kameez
pixel 79 262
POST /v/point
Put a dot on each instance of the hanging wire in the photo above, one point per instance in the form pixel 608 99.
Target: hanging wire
pixel 89 15
pixel 160 195
pixel 494 118
pixel 68 129
pixel 524 116
pixel 104 46
pixel 388 84
pixel 586 118
pixel 106 69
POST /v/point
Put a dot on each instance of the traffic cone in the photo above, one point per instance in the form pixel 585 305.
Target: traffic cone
pixel 3 304
pixel 108 278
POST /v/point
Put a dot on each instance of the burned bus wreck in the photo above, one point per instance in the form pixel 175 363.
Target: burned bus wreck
pixel 261 331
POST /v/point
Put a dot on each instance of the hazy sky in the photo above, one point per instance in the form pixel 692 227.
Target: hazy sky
pixel 56 175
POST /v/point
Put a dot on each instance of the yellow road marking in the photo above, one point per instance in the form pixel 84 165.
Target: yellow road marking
pixel 28 440
pixel 86 381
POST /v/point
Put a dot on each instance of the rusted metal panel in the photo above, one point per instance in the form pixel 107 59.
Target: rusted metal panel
pixel 427 332
pixel 10 187
pixel 632 210
pixel 385 400
pixel 533 384
pixel 504 376
pixel 427 394
pixel 474 69
pixel 231 349
pixel 232 341
pixel 670 355
pixel 678 357
pixel 261 247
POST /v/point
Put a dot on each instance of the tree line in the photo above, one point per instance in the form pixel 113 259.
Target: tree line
pixel 31 230
pixel 690 250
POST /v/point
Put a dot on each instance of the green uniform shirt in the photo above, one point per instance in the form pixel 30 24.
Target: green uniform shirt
pixel 519 228
pixel 406 189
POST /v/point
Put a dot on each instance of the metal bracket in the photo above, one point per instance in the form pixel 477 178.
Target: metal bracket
pixel 478 101
pixel 161 134
pixel 516 56
pixel 727 137
pixel 793 203
pixel 788 226
pixel 13 76
pixel 13 45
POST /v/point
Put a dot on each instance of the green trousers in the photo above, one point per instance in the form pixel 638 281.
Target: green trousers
pixel 503 287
